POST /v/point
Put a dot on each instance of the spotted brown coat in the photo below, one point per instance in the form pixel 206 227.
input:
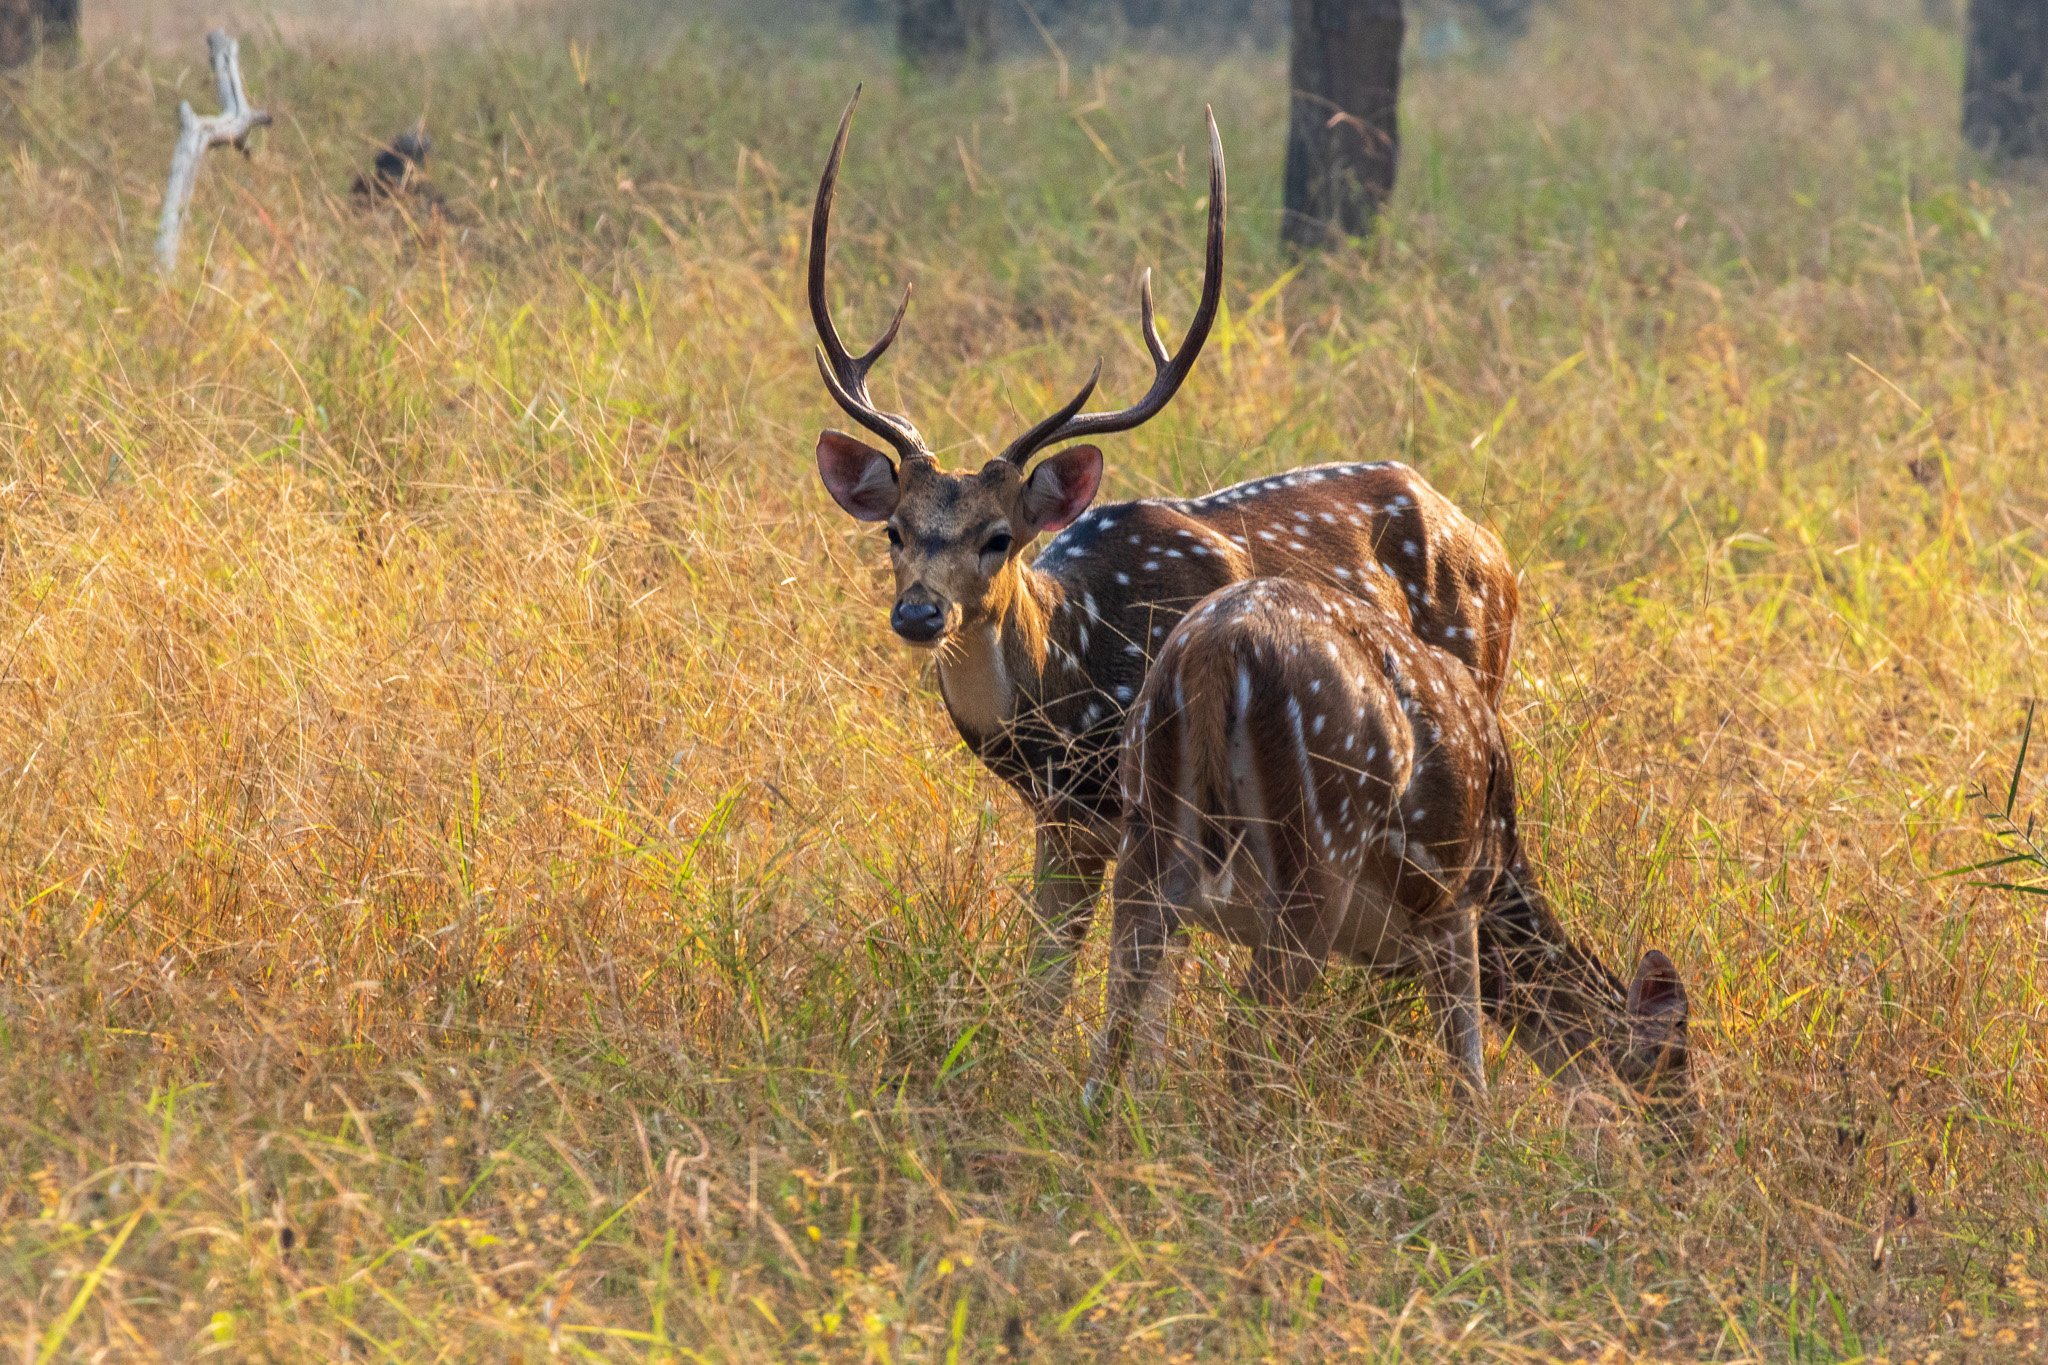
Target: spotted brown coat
pixel 1301 774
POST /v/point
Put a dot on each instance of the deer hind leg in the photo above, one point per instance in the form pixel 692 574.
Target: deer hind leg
pixel 1450 971
pixel 1154 885
pixel 1068 878
pixel 1155 1011
pixel 1300 923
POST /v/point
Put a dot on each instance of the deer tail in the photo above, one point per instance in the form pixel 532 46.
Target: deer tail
pixel 1197 727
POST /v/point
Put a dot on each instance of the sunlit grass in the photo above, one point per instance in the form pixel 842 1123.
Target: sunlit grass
pixel 478 880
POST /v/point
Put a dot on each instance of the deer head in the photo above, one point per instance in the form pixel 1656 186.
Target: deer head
pixel 954 536
pixel 1654 1055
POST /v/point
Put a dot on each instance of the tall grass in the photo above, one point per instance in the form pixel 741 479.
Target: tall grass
pixel 478 882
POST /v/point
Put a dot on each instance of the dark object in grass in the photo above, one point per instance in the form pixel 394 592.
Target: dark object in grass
pixel 398 173
pixel 945 35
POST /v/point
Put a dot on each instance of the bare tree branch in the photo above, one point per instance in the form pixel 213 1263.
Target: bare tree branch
pixel 235 121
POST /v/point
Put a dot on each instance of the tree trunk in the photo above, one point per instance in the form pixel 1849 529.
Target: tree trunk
pixel 1343 140
pixel 26 25
pixel 942 33
pixel 17 33
pixel 2005 78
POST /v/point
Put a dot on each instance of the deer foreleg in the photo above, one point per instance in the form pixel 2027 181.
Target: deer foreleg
pixel 1155 1017
pixel 1068 878
pixel 1147 920
pixel 1289 959
pixel 1450 970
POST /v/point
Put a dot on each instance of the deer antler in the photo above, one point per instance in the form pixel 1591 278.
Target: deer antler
pixel 1169 372
pixel 845 374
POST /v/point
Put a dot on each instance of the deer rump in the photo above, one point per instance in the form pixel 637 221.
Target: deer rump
pixel 1272 781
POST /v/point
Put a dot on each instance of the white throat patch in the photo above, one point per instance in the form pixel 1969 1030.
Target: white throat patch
pixel 975 681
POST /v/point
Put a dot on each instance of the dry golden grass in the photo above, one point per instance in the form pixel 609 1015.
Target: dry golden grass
pixel 478 882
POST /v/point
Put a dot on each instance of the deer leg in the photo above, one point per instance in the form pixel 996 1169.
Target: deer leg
pixel 1155 1011
pixel 1281 973
pixel 1068 878
pixel 1147 920
pixel 1288 962
pixel 1450 969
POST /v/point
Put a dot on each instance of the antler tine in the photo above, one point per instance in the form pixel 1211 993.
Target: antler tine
pixel 874 352
pixel 1048 429
pixel 1145 322
pixel 1169 372
pixel 845 374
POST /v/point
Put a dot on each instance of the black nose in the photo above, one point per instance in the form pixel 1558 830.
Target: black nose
pixel 918 622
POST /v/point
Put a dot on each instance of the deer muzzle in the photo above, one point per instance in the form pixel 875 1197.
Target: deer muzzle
pixel 917 618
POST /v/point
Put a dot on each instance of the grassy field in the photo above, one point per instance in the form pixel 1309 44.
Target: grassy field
pixel 479 883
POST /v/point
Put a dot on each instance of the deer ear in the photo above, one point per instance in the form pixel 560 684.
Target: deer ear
pixel 1061 488
pixel 1657 995
pixel 1657 1060
pixel 860 478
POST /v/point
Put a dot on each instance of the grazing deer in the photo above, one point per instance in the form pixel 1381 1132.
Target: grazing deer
pixel 1039 660
pixel 1301 775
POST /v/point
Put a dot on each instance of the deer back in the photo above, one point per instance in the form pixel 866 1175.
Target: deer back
pixel 1119 579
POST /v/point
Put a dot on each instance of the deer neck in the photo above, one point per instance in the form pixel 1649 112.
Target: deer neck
pixel 995 669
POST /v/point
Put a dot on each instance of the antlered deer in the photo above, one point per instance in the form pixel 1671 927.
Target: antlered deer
pixel 1039 660
pixel 1302 775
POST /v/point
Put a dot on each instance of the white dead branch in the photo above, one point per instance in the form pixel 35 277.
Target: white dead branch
pixel 235 121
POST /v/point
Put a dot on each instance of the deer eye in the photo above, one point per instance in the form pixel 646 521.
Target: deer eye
pixel 997 544
pixel 895 538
